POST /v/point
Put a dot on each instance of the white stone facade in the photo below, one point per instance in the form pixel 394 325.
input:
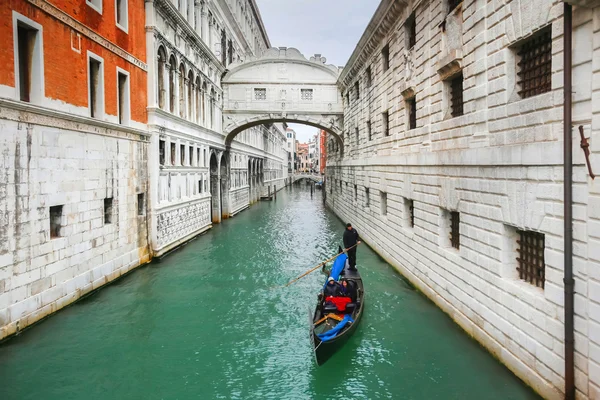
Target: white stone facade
pixel 191 165
pixel 499 165
pixel 45 158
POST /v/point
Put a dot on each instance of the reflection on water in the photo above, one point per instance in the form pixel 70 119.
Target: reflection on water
pixel 205 323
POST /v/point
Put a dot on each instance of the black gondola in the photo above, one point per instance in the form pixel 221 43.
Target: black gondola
pixel 326 316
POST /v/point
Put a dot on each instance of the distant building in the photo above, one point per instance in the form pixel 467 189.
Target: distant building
pixel 291 149
pixel 322 151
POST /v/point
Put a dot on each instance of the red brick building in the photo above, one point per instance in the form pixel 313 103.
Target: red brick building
pixel 322 151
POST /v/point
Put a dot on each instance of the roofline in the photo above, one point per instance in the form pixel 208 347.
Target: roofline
pixel 386 9
pixel 261 25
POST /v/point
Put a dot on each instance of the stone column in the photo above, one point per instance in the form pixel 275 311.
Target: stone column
pixel 204 23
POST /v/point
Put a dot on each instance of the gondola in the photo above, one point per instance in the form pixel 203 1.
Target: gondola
pixel 330 328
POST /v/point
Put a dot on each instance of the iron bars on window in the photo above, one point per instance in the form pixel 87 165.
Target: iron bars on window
pixel 532 266
pixel 535 65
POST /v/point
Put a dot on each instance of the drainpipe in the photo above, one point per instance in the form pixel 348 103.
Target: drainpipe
pixel 569 283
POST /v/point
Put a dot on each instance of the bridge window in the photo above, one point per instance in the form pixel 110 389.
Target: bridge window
pixel 306 94
pixel 385 57
pixel 260 94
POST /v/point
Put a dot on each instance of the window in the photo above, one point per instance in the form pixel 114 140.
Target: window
pixel 409 213
pixel 531 263
pixel 191 155
pixel 348 98
pixel 200 187
pixel 411 109
pixel 355 193
pixel 55 221
pixel 411 31
pixel 368 77
pixel 452 4
pixel 182 154
pixel 95 4
pixel 385 57
pixel 357 90
pixel 121 14
pixel 357 137
pixel 141 206
pixel 123 98
pixel 367 197
pixel 455 229
pixel 369 129
pixel 260 94
pixel 534 67
pixel 95 86
pixel 173 153
pixel 29 66
pixel 161 152
pixel 383 203
pixel 108 210
pixel 385 123
pixel 456 95
pixel 306 94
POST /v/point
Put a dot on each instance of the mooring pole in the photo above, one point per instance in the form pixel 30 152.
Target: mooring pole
pixel 311 191
pixel 275 191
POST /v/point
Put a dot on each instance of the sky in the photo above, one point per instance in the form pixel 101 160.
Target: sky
pixel 331 28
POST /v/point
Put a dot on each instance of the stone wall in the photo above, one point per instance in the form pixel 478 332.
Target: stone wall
pixel 499 165
pixel 71 167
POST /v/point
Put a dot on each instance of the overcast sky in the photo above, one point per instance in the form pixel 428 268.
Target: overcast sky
pixel 331 28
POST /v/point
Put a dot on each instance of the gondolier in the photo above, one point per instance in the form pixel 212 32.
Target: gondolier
pixel 351 239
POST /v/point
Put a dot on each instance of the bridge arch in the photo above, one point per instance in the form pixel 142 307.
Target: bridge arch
pixel 282 86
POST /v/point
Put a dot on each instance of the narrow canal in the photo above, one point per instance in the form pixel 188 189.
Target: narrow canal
pixel 205 323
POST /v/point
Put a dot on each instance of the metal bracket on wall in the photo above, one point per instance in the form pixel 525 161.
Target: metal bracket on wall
pixel 585 145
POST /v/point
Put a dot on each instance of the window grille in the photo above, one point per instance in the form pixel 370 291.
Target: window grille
pixel 411 213
pixel 455 229
pixel 411 31
pixel 306 94
pixel 452 4
pixel 531 263
pixel 385 57
pixel 535 65
pixel 456 95
pixel 260 94
pixel 411 104
pixel 385 117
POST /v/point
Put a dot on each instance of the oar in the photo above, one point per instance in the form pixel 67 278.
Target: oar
pixel 315 268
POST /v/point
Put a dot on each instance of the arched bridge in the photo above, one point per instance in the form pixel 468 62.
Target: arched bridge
pixel 297 177
pixel 282 86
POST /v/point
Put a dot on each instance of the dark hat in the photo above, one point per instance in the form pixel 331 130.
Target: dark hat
pixel 348 225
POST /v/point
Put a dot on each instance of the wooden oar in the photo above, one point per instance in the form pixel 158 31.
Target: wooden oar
pixel 315 268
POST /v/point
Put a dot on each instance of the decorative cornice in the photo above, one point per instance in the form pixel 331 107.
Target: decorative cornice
pixel 168 7
pixel 384 19
pixel 87 32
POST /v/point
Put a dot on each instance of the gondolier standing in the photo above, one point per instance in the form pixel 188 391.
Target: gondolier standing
pixel 351 239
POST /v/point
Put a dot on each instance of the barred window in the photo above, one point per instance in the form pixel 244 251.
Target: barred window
pixel 455 229
pixel 411 109
pixel 369 129
pixel 385 121
pixel 535 65
pixel 368 77
pixel 531 264
pixel 357 135
pixel 409 212
pixel 260 94
pixel 55 221
pixel 452 4
pixel 356 193
pixel 385 57
pixel 456 95
pixel 367 198
pixel 306 94
pixel 411 31
pixel 357 90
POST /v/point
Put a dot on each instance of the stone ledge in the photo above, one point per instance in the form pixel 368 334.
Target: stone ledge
pixel 450 65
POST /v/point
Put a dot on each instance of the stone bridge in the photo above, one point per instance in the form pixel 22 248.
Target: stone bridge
pixel 282 86
pixel 298 177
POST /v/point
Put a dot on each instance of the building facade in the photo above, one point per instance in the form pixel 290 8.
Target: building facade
pixel 74 145
pixel 322 151
pixel 452 170
pixel 291 149
pixel 199 179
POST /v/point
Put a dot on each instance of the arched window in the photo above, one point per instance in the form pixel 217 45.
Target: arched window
pixel 190 95
pixel 204 88
pixel 181 90
pixel 198 105
pixel 212 108
pixel 172 83
pixel 162 60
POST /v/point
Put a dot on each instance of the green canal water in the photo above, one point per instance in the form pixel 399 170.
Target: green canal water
pixel 205 324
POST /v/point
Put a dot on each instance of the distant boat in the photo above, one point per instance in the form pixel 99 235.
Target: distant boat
pixel 331 327
pixel 319 185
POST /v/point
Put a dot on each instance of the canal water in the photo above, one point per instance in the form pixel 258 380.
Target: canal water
pixel 205 323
